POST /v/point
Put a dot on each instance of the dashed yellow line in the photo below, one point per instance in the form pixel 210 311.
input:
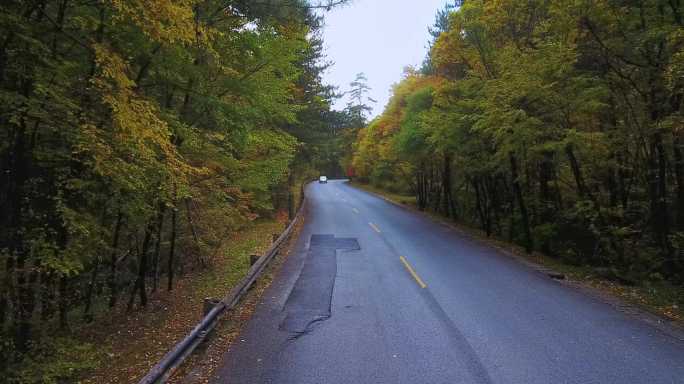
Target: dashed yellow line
pixel 412 272
pixel 355 210
pixel 375 227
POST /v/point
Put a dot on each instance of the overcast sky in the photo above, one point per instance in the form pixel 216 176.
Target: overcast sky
pixel 379 38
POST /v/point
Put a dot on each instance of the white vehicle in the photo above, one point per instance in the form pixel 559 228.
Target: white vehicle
pixel 323 180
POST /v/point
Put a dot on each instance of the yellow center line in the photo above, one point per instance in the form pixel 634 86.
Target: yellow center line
pixel 355 210
pixel 375 227
pixel 412 272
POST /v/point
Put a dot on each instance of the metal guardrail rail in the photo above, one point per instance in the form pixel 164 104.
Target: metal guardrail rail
pixel 163 370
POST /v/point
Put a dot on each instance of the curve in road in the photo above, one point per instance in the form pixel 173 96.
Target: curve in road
pixel 417 302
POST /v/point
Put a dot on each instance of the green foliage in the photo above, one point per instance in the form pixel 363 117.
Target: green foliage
pixel 134 135
pixel 56 360
pixel 554 124
pixel 269 154
pixel 412 136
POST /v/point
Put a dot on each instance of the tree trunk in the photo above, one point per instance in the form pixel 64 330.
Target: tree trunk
pixel 140 286
pixel 546 200
pixel 521 203
pixel 3 53
pixel 47 296
pixel 657 170
pixel 195 237
pixel 622 177
pixel 63 302
pixel 494 202
pixel 26 280
pixel 17 171
pixel 172 248
pixel 6 290
pixel 662 212
pixel 679 177
pixel 421 187
pixel 145 66
pixel 448 203
pixel 290 197
pixel 112 280
pixel 482 206
pixel 61 12
pixel 157 246
pixel 576 172
pixel 87 315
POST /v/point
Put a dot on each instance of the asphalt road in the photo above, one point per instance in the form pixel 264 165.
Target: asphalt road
pixel 378 294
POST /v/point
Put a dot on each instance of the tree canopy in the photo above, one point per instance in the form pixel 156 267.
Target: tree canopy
pixel 134 135
pixel 555 124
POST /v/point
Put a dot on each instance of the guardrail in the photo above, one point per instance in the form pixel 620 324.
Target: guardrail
pixel 176 356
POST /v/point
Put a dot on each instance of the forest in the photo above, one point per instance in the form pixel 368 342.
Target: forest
pixel 136 134
pixel 556 125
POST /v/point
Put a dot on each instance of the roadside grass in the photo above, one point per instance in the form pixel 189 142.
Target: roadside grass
pixel 134 342
pixel 658 297
pixel 202 365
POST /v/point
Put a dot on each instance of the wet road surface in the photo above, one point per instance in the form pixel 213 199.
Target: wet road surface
pixel 374 293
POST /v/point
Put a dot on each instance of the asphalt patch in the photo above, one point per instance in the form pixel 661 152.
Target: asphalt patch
pixel 330 241
pixel 311 297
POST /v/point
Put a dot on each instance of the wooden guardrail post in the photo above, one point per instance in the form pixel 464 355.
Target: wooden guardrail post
pixel 209 304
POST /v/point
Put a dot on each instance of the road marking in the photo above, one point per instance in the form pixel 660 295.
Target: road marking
pixel 355 210
pixel 375 227
pixel 412 272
